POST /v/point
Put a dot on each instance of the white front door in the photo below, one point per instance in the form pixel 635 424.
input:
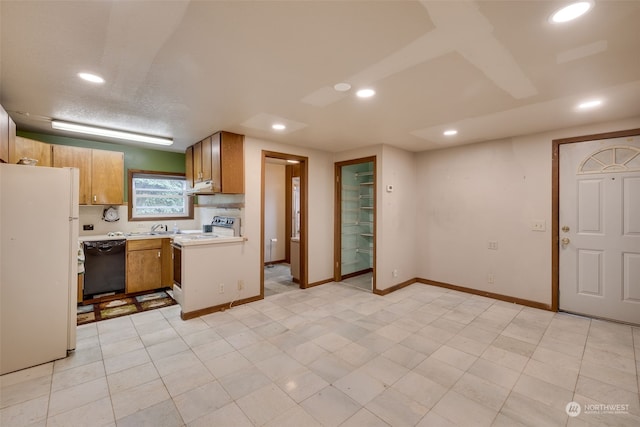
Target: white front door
pixel 600 228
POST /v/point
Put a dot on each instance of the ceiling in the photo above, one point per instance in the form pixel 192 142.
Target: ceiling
pixel 186 69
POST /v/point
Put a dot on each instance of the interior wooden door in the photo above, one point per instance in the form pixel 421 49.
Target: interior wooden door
pixel 599 233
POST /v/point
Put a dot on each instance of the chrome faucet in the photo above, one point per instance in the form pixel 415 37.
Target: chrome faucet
pixel 159 226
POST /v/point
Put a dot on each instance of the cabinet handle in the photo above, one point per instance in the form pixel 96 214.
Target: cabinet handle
pixel 158 254
pixel 95 198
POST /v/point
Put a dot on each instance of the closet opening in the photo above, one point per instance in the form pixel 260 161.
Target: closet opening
pixel 355 219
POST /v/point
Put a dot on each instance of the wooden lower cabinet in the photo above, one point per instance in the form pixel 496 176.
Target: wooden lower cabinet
pixel 167 263
pixel 148 265
pixel 144 265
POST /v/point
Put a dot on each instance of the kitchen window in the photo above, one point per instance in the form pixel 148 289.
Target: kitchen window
pixel 158 195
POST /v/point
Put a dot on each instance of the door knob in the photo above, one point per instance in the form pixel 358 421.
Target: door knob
pixel 565 229
pixel 565 241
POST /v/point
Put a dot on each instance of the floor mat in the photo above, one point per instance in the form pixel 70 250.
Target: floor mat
pixel 123 306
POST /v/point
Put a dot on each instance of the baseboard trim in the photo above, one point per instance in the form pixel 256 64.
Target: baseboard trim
pixel 216 308
pixel 383 292
pixel 321 282
pixel 500 297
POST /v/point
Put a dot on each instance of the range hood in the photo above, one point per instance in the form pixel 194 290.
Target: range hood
pixel 203 187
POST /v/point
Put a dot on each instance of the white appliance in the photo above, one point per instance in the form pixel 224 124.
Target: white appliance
pixel 38 264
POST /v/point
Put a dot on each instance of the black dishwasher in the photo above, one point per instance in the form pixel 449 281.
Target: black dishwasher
pixel 104 267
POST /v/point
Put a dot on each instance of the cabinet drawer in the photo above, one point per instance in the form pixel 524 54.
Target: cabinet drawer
pixel 137 245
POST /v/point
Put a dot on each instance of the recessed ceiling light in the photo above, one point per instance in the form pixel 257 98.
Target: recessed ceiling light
pixel 571 12
pixel 278 126
pixel 93 78
pixel 450 132
pixel 366 93
pixel 589 104
pixel 342 87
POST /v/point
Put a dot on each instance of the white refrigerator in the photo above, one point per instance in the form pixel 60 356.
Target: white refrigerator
pixel 38 264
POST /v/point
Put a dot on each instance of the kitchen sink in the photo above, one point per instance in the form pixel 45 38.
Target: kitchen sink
pixel 148 233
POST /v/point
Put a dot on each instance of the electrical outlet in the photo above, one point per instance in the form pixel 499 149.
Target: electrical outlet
pixel 490 278
pixel 493 245
pixel 221 289
pixel 394 273
pixel 538 226
pixel 240 285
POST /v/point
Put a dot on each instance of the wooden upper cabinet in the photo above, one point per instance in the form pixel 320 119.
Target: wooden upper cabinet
pixel 205 168
pixel 65 156
pixel 216 164
pixel 101 173
pixel 219 158
pixel 25 147
pixel 188 170
pixel 5 135
pixel 197 162
pixel 107 177
pixel 232 163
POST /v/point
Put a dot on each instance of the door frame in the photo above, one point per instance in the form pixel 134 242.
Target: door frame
pixel 304 232
pixel 337 217
pixel 555 202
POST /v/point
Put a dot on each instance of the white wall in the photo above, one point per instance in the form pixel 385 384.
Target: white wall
pixel 320 209
pixel 274 212
pixel 397 243
pixel 396 212
pixel 491 191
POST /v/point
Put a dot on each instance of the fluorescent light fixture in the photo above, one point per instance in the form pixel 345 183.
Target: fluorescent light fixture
pixel 278 126
pixel 589 104
pixel 93 78
pixel 571 12
pixel 110 133
pixel 365 93
pixel 450 132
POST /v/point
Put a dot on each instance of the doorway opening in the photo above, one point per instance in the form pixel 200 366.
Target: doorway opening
pixel 283 223
pixel 355 219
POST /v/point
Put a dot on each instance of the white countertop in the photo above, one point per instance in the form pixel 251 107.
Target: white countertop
pixel 137 236
pixel 203 239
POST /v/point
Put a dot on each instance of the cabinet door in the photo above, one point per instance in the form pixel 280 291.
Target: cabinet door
pixel 206 159
pixel 167 263
pixel 188 167
pixel 107 177
pixel 144 270
pixel 232 163
pixel 216 164
pixel 25 147
pixel 64 156
pixel 4 135
pixel 197 162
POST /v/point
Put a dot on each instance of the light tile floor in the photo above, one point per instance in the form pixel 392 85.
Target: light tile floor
pixel 278 279
pixel 333 355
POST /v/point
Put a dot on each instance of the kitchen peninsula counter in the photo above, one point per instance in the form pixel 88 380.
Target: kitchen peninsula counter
pixel 211 274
